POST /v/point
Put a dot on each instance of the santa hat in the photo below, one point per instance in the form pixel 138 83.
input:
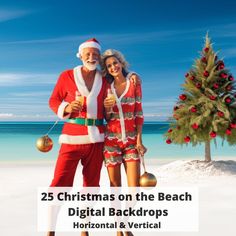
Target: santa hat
pixel 90 43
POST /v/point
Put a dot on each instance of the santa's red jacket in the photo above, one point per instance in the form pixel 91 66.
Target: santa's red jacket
pixel 68 83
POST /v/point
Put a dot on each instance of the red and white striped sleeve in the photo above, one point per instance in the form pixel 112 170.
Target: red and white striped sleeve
pixel 138 111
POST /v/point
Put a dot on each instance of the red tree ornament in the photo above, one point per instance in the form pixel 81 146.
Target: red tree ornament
pixel 231 78
pixel 228 100
pixel 187 139
pixel 168 141
pixel 233 126
pixel 215 85
pixel 198 85
pixel 213 134
pixel 229 87
pixel 204 60
pixel 206 73
pixel 206 49
pixel 228 132
pixel 170 130
pixel 176 108
pixel 182 97
pixel 195 126
pixel 212 97
pixel 223 75
pixel 221 65
pixel 220 114
pixel 193 109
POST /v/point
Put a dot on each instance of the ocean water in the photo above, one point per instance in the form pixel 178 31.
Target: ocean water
pixel 17 142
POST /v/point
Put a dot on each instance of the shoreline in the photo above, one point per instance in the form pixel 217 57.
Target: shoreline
pixel 148 161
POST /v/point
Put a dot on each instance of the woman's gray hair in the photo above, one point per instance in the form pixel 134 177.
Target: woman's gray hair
pixel 112 53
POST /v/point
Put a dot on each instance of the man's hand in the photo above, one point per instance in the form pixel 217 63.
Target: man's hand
pixel 74 106
pixel 135 79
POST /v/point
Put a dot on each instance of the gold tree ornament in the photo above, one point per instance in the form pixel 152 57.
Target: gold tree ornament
pixel 147 179
pixel 44 144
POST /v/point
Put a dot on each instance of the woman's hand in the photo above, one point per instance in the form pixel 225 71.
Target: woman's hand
pixel 141 149
pixel 108 103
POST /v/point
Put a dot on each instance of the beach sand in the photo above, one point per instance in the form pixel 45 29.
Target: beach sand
pixel 217 191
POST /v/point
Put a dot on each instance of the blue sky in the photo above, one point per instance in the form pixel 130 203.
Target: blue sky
pixel 160 40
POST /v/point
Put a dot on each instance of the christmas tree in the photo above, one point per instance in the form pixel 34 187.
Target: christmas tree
pixel 206 109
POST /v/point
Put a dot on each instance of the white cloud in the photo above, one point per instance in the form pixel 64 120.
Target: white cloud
pixel 123 38
pixel 26 79
pixel 6 15
pixel 229 52
pixel 156 117
pixel 159 110
pixel 160 103
pixel 220 30
pixel 26 117
pixel 224 30
pixel 31 94
pixel 6 115
pixel 63 39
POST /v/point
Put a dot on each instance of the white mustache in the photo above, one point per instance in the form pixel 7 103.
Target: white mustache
pixel 93 62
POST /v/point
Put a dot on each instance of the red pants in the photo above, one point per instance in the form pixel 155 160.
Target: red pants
pixel 91 156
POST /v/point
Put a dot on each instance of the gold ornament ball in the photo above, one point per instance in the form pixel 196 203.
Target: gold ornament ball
pixel 44 144
pixel 147 180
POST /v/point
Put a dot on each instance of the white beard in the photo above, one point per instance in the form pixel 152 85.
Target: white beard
pixel 90 66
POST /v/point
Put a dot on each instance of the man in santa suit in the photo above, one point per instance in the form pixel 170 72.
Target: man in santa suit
pixel 78 98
